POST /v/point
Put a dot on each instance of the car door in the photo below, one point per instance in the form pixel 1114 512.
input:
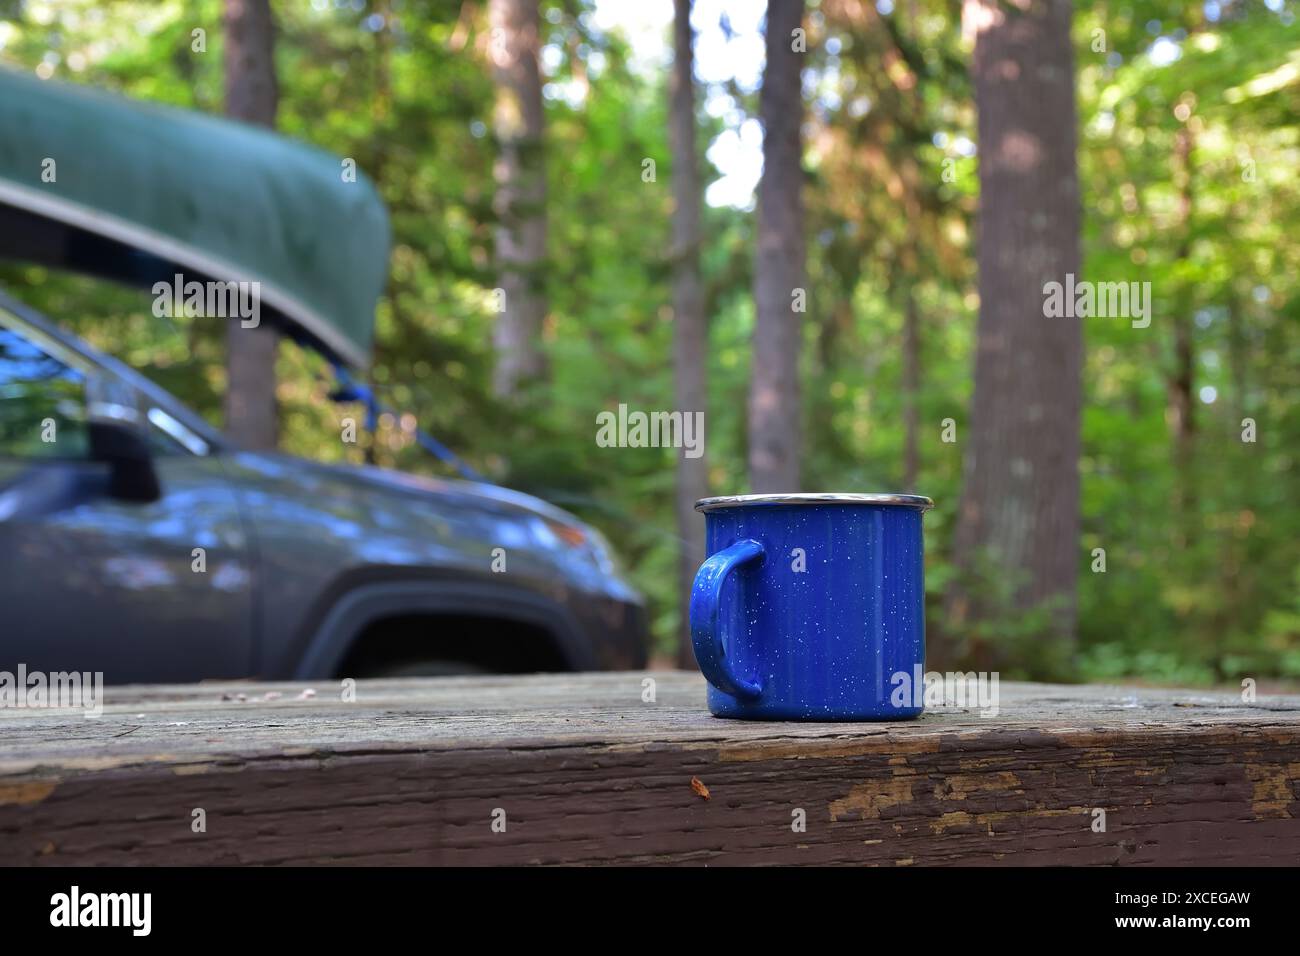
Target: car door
pixel 142 592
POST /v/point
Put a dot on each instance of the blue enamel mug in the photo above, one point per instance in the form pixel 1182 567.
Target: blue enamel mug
pixel 811 606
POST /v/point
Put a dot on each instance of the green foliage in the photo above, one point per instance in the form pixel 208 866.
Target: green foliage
pixel 1188 595
pixel 1195 595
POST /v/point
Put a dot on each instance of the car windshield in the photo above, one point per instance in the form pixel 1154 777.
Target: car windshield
pixel 41 400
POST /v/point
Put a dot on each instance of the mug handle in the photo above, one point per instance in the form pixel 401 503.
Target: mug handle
pixel 706 633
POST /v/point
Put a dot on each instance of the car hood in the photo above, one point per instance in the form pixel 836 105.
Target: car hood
pixel 473 494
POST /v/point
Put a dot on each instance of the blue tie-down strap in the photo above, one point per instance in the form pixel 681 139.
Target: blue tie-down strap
pixel 350 390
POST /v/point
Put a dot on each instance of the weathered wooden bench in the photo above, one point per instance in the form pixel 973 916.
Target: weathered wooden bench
pixel 584 769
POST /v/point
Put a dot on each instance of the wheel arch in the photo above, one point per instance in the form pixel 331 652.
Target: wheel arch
pixel 364 605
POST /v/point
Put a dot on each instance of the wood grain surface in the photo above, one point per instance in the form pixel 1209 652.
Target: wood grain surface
pixel 580 769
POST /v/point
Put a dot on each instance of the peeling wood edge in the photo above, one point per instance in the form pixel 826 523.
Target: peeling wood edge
pixel 18 779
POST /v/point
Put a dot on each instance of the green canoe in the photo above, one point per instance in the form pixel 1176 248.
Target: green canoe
pixel 138 192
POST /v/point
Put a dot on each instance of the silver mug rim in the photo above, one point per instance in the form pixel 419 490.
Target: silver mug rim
pixel 919 502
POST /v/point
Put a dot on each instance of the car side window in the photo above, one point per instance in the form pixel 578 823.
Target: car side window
pixel 42 402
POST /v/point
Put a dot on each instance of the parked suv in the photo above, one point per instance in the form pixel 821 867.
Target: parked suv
pixel 137 541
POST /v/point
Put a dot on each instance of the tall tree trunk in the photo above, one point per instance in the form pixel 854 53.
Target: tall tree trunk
pixel 251 96
pixel 380 107
pixel 690 329
pixel 1020 500
pixel 779 287
pixel 1180 382
pixel 521 192
pixel 911 382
